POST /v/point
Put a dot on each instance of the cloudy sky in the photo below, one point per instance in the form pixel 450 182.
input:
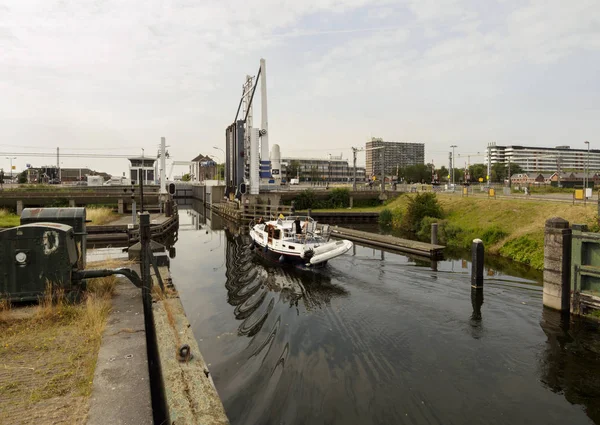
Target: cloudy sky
pixel 113 76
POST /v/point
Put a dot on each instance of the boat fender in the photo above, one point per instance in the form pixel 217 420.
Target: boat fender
pixel 266 248
pixel 252 246
pixel 308 254
pixel 281 259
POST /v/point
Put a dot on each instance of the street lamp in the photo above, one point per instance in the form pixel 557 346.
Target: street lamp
pixel 11 167
pixel 587 177
pixel 453 146
pixel 224 159
pixel 218 171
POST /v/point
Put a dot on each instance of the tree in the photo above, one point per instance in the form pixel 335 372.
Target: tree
pixel 186 177
pixel 516 169
pixel 478 171
pixel 293 169
pixel 419 173
pixel 443 174
pixel 23 177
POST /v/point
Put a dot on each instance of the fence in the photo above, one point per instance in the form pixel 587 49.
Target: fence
pixel 585 269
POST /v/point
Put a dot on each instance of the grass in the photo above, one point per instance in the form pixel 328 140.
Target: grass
pixel 513 228
pixel 8 219
pixel 101 215
pixel 46 188
pixel 48 353
pixel 98 216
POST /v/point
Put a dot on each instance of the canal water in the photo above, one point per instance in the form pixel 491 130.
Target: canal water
pixel 379 338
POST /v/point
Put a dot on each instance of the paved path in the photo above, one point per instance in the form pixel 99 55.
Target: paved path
pixel 121 389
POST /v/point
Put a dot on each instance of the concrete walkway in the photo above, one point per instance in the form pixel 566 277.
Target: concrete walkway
pixel 125 219
pixel 121 389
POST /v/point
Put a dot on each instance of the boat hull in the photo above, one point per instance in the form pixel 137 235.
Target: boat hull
pixel 283 259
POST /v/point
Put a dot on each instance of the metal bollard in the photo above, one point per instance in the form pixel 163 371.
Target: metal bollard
pixel 434 233
pixel 477 253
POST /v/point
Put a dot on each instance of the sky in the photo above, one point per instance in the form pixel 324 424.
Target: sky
pixel 111 77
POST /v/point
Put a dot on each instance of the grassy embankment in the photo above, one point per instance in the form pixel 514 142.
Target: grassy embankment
pixel 98 215
pixel 48 354
pixel 7 219
pixel 510 228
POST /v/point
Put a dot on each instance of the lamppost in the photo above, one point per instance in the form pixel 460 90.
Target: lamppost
pixel 218 171
pixel 453 146
pixel 587 177
pixel 11 158
pixel 225 159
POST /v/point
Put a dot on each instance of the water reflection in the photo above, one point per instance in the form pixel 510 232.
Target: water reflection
pixel 253 284
pixel 570 362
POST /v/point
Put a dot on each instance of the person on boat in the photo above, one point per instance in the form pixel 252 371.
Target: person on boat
pixel 259 221
pixel 300 228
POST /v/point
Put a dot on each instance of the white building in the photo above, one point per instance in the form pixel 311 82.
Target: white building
pixel 534 159
pixel 142 167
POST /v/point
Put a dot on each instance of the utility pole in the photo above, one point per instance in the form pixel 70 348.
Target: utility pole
pixel 57 162
pixel 382 169
pixel 354 150
pixel 163 165
pixel 509 175
pixel 489 164
pixel 11 167
pixel 453 147
pixel 587 177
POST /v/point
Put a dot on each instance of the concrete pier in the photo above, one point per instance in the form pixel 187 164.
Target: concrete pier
pixel 557 270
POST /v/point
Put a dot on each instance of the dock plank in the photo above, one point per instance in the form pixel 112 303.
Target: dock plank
pixel 391 242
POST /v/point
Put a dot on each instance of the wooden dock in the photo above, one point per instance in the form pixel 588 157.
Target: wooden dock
pixel 423 249
pixel 162 229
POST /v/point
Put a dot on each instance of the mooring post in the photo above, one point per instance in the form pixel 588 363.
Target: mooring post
pixel 476 302
pixel 477 253
pixel 145 243
pixel 434 230
pixel 557 264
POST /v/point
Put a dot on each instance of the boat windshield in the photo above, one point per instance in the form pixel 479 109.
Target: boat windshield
pixel 301 217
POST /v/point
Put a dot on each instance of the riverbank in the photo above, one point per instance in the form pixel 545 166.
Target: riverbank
pixel 98 216
pixel 512 228
pixel 48 355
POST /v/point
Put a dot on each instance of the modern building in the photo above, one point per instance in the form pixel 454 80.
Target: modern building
pixel 333 169
pixel 393 155
pixel 543 160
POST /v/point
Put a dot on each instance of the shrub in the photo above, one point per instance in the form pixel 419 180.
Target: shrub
pixel 492 235
pixel 305 199
pixel 421 206
pixel 340 197
pixel 386 217
pixel 526 250
pixel 424 232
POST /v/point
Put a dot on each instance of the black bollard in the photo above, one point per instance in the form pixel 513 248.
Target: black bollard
pixel 476 302
pixel 477 263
